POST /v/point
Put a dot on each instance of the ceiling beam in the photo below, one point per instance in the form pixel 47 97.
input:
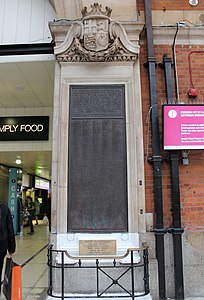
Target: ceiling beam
pixel 27 49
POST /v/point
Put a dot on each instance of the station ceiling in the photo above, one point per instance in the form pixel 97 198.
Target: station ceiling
pixel 25 85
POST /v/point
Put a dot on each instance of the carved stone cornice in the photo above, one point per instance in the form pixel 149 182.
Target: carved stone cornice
pixel 77 53
pixel 186 35
pixel 95 38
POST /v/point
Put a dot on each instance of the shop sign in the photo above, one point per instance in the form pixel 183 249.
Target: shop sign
pixel 29 128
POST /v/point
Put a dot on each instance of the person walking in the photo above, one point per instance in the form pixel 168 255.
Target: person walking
pixel 37 210
pixel 31 210
pixel 7 236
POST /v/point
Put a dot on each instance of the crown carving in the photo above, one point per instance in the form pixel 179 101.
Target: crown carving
pixel 96 9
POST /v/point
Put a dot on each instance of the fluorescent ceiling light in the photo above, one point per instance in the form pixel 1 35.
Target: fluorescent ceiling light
pixel 18 161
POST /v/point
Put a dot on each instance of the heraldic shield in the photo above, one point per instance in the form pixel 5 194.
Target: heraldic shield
pixel 96 36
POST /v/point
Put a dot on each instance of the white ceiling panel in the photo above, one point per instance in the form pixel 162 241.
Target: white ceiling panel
pixel 8 67
pixel 14 76
pixel 9 101
pixel 27 81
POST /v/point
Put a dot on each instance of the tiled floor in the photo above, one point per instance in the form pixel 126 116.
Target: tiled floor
pixel 35 272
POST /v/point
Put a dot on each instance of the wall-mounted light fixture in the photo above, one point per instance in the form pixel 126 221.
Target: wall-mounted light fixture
pixel 193 2
pixel 185 160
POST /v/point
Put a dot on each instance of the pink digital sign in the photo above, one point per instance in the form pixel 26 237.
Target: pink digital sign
pixel 183 127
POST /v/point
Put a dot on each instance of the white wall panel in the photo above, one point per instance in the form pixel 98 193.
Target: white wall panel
pixel 48 14
pixel 9 25
pixel 25 21
pixel 37 20
pixel 2 6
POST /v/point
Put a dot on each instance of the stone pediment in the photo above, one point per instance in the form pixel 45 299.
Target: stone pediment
pixel 96 38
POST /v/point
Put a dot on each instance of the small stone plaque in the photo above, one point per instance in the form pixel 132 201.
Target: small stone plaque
pixel 97 247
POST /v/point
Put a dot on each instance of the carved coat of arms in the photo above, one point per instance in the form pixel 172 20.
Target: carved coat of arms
pixel 96 28
pixel 96 38
pixel 96 35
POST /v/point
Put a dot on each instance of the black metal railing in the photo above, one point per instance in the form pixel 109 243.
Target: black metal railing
pixel 103 267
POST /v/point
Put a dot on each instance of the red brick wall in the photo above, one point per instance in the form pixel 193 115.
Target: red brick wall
pixel 192 191
pixel 191 176
pixel 171 5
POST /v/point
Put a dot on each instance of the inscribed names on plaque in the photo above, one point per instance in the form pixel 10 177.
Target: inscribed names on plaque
pixel 97 247
pixel 97 187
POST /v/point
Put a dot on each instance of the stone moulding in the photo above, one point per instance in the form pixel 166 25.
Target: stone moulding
pixel 96 39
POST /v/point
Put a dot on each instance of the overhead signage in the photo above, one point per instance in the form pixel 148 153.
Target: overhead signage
pixel 41 183
pixel 183 127
pixel 29 128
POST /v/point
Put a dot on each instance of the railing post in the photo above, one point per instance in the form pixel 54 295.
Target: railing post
pixel 97 278
pixel 50 269
pixel 132 271
pixel 62 274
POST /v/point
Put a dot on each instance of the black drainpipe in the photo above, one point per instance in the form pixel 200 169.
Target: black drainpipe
pixel 176 230
pixel 156 159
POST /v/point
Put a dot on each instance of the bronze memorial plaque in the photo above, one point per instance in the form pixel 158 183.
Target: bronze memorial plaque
pixel 97 190
pixel 97 247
